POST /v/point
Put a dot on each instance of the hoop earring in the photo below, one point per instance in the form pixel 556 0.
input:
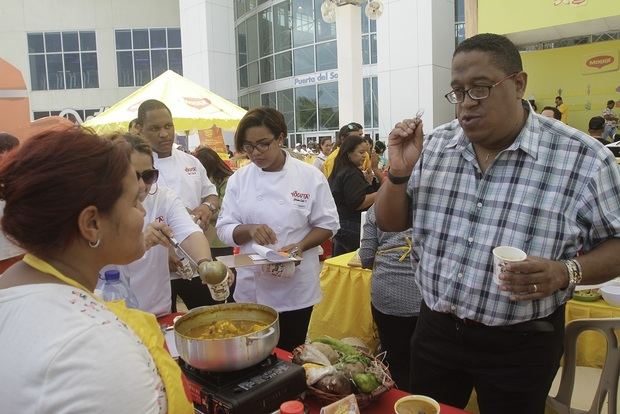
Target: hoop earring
pixel 95 244
pixel 156 188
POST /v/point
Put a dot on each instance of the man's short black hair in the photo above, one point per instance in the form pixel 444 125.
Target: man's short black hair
pixel 559 97
pixel 150 105
pixel 611 101
pixel 7 142
pixel 556 112
pixel 503 52
pixel 597 123
pixel 132 123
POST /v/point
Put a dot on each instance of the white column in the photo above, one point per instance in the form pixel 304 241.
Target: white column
pixel 208 40
pixel 349 43
pixel 415 42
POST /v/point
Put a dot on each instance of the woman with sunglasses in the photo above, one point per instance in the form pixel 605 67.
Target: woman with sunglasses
pixel 285 204
pixel 166 216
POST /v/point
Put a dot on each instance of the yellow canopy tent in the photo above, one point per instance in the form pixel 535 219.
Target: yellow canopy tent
pixel 192 106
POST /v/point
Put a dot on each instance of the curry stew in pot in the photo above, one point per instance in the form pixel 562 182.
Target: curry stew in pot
pixel 225 329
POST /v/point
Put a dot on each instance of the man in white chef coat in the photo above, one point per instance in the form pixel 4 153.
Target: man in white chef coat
pixel 184 174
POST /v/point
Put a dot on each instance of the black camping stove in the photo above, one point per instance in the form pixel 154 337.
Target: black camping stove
pixel 259 389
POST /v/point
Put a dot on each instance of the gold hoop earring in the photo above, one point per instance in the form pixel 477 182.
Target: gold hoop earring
pixel 95 244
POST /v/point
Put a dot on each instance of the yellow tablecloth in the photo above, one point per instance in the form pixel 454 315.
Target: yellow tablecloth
pixel 345 308
pixel 591 346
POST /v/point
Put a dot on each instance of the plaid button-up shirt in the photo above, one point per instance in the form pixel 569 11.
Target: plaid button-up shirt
pixel 554 192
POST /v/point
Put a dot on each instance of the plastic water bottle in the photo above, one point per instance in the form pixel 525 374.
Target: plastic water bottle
pixel 114 288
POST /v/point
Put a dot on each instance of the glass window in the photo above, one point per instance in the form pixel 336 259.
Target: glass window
pixel 142 66
pixel 266 69
pixel 52 42
pixel 124 62
pixel 328 105
pixel 123 39
pixel 265 41
pixel 268 100
pixel 55 72
pixel 87 41
pixel 242 49
pixel 286 105
pixel 375 102
pixel 252 38
pixel 253 74
pixel 373 48
pixel 158 38
pixel 305 108
pixel 35 43
pixel 70 42
pixel 364 22
pixel 254 99
pixel 159 62
pixel 367 104
pixel 243 77
pixel 459 10
pixel 324 30
pixel 282 26
pixel 251 5
pixel 73 74
pixel 373 25
pixel 38 73
pixel 326 56
pixel 303 58
pixel 243 102
pixel 90 72
pixel 175 61
pixel 365 50
pixel 40 114
pixel 303 22
pixel 140 39
pixel 241 7
pixel 283 63
pixel 174 37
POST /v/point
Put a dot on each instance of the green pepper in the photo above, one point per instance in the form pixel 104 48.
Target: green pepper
pixel 366 383
pixel 345 349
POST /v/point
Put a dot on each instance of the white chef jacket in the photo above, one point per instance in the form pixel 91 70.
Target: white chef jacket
pixel 149 277
pixel 187 177
pixel 292 202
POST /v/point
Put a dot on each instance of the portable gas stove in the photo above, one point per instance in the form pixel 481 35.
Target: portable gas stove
pixel 259 389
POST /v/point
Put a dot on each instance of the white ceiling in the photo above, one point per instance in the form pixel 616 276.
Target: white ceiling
pixel 607 24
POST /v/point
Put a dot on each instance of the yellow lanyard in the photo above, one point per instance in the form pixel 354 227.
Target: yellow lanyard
pixel 146 328
pixel 405 249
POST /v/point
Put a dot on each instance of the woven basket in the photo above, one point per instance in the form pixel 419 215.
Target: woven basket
pixel 363 399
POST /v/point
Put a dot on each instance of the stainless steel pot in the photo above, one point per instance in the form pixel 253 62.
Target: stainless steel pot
pixel 228 354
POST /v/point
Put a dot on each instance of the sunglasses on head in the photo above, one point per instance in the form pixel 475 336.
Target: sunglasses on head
pixel 354 127
pixel 148 176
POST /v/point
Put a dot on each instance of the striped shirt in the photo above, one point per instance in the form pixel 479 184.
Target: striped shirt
pixel 393 289
pixel 554 192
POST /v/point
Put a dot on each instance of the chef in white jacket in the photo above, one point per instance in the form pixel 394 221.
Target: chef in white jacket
pixel 283 203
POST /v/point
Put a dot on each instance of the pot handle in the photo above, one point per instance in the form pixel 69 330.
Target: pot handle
pixel 269 332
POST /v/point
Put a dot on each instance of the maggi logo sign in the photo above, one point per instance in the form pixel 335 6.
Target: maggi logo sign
pixel 600 61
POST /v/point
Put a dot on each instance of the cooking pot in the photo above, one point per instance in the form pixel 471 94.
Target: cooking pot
pixel 228 354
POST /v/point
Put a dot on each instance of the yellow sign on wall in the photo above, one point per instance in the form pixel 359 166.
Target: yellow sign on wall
pixel 506 16
pixel 586 77
pixel 603 61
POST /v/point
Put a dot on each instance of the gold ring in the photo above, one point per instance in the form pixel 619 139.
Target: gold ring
pixel 535 288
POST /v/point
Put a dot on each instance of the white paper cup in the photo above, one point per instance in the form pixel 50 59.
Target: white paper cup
pixel 220 291
pixel 503 255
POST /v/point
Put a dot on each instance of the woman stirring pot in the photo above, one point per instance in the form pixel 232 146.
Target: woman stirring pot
pixel 72 202
pixel 283 203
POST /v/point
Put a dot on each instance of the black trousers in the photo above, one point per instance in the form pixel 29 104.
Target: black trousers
pixel 193 292
pixel 294 328
pixel 512 368
pixel 395 334
pixel 347 239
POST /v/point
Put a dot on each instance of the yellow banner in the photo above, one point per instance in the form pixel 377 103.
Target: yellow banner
pixel 604 61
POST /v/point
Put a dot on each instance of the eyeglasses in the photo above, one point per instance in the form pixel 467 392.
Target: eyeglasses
pixel 476 93
pixel 260 147
pixel 148 176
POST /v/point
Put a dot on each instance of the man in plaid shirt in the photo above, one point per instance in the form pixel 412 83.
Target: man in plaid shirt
pixel 498 175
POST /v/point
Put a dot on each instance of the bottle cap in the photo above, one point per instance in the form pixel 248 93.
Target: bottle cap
pixel 292 407
pixel 112 275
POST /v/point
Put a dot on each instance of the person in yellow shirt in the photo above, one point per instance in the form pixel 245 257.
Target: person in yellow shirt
pixel 563 108
pixel 350 129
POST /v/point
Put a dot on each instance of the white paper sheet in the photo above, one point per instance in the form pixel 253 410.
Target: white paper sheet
pixel 270 254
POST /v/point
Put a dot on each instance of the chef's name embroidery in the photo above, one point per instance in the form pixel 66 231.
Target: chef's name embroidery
pixel 190 170
pixel 300 199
